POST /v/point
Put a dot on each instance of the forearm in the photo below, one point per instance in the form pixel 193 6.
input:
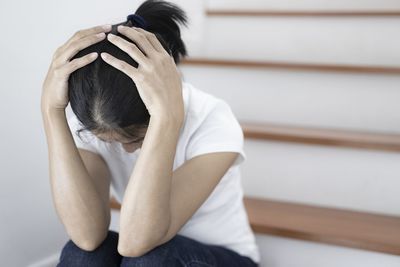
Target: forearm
pixel 77 202
pixel 145 212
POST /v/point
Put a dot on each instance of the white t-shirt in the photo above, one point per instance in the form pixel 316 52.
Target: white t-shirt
pixel 209 126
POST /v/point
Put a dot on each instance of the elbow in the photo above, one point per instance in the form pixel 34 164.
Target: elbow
pixel 90 237
pixel 88 245
pixel 136 244
pixel 128 252
pixel 131 250
pixel 129 246
pixel 92 243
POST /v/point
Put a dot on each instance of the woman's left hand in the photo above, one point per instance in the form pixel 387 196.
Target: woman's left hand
pixel 157 77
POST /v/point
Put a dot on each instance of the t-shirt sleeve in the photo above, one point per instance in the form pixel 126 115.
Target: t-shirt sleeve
pixel 220 131
pixel 87 140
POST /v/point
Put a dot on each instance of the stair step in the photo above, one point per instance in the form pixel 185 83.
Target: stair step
pixel 302 13
pixel 292 66
pixel 326 225
pixel 320 136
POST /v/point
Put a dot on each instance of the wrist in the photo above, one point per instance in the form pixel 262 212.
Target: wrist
pixel 47 104
pixel 52 111
pixel 168 115
pixel 166 121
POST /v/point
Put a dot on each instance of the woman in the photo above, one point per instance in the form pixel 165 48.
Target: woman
pixel 181 195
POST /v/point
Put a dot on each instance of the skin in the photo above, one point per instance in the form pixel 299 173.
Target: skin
pixel 128 145
pixel 158 201
pixel 80 201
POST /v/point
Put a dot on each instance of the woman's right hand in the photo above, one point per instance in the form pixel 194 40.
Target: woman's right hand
pixel 55 85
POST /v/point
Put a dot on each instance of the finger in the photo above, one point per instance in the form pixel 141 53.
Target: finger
pixel 139 38
pixel 89 31
pixel 153 40
pixel 123 66
pixel 75 64
pixel 82 34
pixel 131 49
pixel 78 45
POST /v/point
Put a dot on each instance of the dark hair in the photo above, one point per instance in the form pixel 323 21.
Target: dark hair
pixel 103 98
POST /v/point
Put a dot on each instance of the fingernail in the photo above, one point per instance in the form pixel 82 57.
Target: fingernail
pixel 104 55
pixel 101 34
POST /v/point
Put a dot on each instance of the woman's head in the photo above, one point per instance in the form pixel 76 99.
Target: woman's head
pixel 104 99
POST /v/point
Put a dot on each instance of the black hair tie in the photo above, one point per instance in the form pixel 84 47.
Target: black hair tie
pixel 137 21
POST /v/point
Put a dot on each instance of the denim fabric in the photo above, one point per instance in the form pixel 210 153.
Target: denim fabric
pixel 180 251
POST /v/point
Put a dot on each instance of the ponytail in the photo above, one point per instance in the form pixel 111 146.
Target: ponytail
pixel 162 19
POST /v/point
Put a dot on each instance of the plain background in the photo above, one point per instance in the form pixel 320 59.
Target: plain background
pixel 349 178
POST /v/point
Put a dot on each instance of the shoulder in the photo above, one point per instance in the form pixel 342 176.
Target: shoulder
pixel 201 105
pixel 210 126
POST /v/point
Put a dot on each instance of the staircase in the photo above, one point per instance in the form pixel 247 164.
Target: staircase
pixel 316 88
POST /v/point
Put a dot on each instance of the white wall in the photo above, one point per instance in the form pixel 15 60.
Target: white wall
pixel 32 30
pixel 305 4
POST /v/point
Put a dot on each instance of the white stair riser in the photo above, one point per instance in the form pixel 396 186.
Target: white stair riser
pixel 336 40
pixel 364 180
pixel 284 252
pixel 349 101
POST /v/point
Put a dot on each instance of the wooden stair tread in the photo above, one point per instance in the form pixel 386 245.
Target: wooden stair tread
pixel 347 228
pixel 347 68
pixel 303 13
pixel 310 135
pixel 327 225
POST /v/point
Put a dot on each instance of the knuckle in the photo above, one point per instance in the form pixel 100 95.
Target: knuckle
pixel 74 63
pixel 131 48
pixel 78 34
pixel 150 68
pixel 57 72
pixel 55 56
pixel 152 35
pixel 74 47
pixel 123 67
pixel 96 37
pixel 73 43
pixel 74 50
pixel 55 63
pixel 141 35
pixel 57 52
pixel 165 58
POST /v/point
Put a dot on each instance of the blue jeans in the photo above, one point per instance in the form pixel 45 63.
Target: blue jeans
pixel 177 252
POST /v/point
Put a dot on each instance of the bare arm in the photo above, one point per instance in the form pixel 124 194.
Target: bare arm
pixel 146 212
pixel 79 179
pixel 146 208
pixel 80 205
